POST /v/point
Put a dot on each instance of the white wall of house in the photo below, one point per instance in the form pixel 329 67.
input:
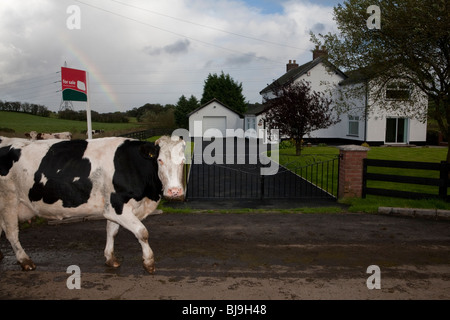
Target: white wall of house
pixel 395 125
pixel 322 79
pixel 351 125
pixel 412 129
pixel 211 112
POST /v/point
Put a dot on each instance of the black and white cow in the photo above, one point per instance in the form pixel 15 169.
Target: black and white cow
pixel 120 179
pixel 45 136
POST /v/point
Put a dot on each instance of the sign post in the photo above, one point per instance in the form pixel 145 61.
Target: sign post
pixel 88 110
pixel 75 85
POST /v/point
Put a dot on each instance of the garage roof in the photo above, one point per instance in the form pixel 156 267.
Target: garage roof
pixel 215 100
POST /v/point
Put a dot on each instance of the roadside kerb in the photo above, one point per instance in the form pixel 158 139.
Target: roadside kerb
pixel 437 214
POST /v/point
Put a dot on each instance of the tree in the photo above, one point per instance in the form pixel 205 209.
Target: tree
pixel 183 108
pixel 224 89
pixel 411 45
pixel 159 119
pixel 296 111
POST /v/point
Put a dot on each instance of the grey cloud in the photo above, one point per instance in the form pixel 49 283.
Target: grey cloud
pixel 318 27
pixel 243 59
pixel 180 46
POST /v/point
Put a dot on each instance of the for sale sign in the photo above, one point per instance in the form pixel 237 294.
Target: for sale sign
pixel 74 86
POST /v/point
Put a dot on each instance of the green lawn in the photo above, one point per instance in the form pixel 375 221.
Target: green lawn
pixel 21 123
pixel 324 175
pixel 424 154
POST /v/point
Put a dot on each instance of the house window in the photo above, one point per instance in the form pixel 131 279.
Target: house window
pixel 398 91
pixel 396 130
pixel 353 125
pixel 250 123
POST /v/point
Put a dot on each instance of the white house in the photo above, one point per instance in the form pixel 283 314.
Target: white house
pixel 387 127
pixel 364 120
pixel 213 119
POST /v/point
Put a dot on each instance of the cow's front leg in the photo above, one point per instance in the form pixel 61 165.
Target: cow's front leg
pixel 147 253
pixel 111 231
pixel 130 222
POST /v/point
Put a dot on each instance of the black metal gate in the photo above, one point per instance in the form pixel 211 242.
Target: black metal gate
pixel 313 180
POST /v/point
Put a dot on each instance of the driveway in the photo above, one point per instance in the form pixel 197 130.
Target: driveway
pixel 268 256
pixel 236 168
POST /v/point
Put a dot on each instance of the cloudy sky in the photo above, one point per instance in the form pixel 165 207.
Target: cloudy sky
pixel 151 51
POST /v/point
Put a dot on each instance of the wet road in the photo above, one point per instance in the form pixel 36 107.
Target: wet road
pixel 238 256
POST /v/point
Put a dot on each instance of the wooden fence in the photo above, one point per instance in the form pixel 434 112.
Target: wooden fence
pixel 145 134
pixel 431 174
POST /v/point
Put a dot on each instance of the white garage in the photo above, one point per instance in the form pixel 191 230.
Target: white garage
pixel 212 125
pixel 213 119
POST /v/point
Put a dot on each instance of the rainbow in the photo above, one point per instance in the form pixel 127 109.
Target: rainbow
pixel 86 64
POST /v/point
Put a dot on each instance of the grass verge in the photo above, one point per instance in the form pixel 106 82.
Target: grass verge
pixel 371 203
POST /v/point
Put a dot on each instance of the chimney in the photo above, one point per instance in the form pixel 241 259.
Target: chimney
pixel 319 52
pixel 291 65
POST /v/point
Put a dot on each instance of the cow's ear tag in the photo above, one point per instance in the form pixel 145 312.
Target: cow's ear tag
pixel 151 155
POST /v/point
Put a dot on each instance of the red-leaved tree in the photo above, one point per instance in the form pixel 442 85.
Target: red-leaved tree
pixel 296 111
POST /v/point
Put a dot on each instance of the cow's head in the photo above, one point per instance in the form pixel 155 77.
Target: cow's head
pixel 171 161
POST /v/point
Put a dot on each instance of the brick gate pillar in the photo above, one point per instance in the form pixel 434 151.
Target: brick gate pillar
pixel 351 171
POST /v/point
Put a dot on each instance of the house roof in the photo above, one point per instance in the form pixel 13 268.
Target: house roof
pixel 355 76
pixel 219 102
pixel 255 110
pixel 295 73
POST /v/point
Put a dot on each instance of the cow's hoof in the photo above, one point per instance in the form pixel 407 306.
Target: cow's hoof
pixel 150 268
pixel 27 265
pixel 112 263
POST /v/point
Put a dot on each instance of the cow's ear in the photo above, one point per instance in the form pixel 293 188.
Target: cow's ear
pixel 162 140
pixel 150 151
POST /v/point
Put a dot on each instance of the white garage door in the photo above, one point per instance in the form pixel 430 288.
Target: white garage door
pixel 217 123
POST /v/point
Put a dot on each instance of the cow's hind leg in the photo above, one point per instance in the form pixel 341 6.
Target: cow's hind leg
pixel 1 254
pixel 111 231
pixel 10 225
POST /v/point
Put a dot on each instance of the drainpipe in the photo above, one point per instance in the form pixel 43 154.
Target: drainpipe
pixel 365 110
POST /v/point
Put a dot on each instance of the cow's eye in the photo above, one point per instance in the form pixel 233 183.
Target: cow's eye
pixel 160 161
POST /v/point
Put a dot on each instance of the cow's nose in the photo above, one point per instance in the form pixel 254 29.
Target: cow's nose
pixel 175 192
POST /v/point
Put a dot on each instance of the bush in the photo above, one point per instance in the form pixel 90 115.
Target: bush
pixel 433 137
pixel 164 119
pixel 286 144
